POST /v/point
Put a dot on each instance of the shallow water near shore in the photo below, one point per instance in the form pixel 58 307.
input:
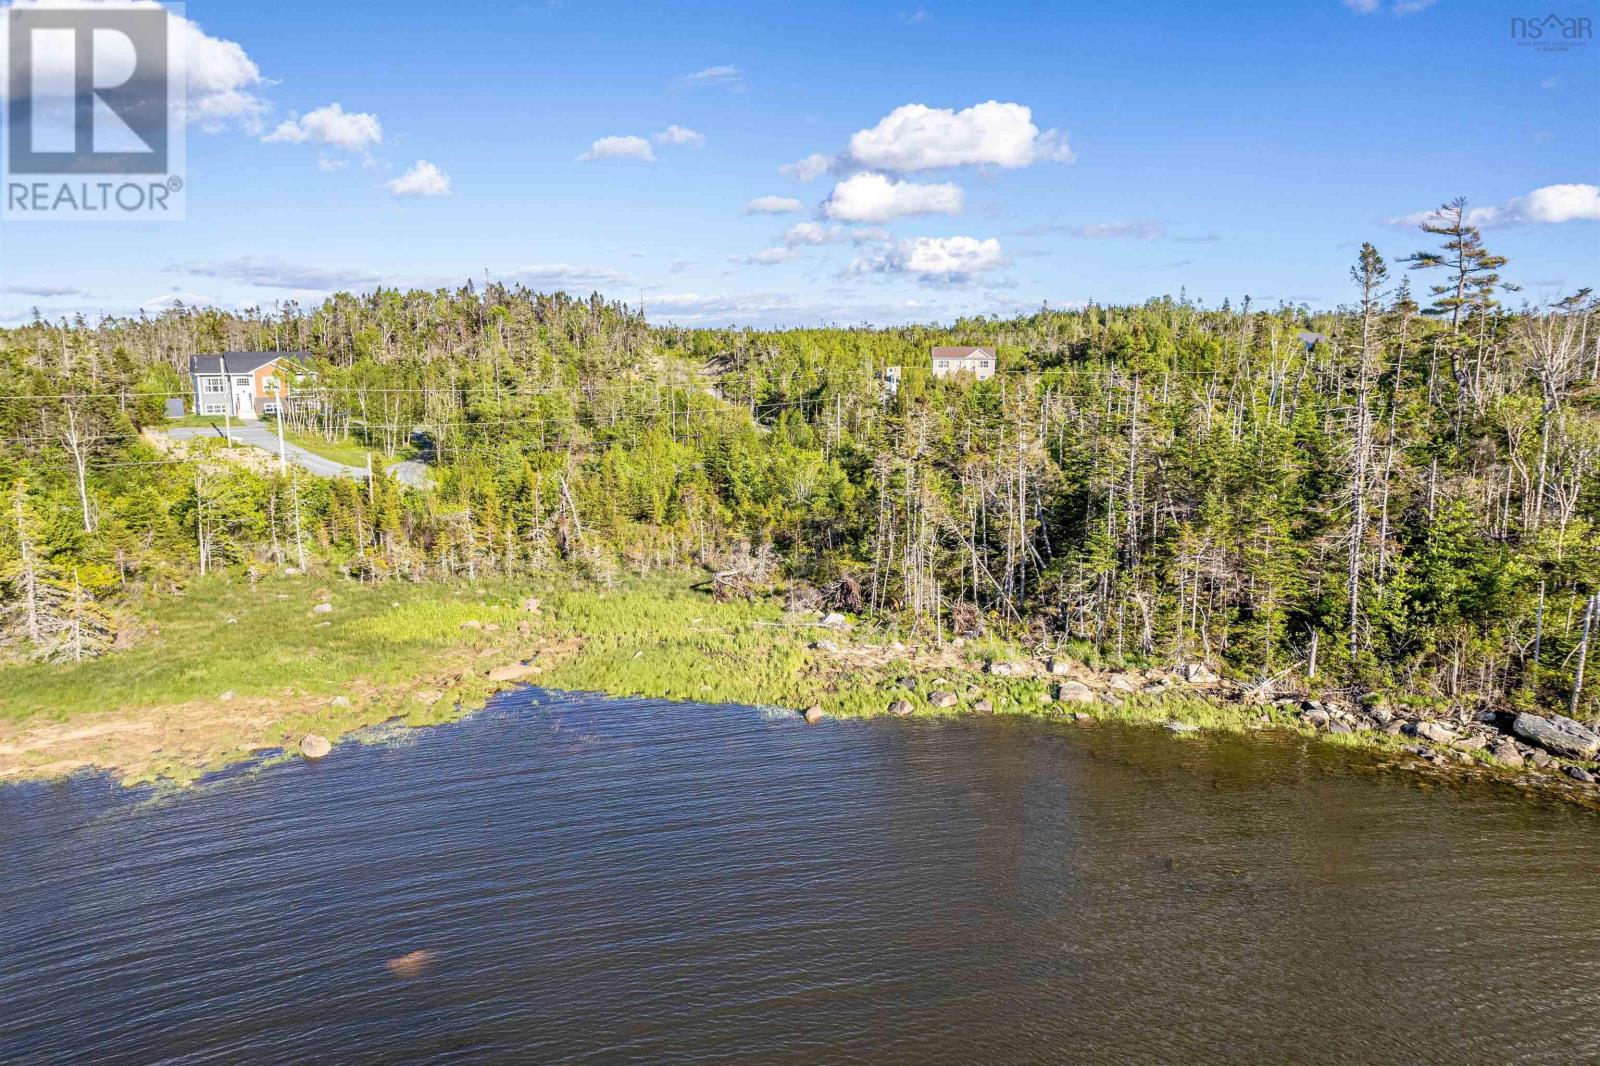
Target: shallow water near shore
pixel 570 877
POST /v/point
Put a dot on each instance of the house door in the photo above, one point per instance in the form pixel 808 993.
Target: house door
pixel 244 404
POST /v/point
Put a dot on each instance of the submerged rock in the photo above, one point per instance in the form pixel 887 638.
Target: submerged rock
pixel 814 714
pixel 313 746
pixel 1182 727
pixel 411 964
pixel 1557 734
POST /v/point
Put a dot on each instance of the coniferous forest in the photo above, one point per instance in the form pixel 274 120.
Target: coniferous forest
pixel 1400 493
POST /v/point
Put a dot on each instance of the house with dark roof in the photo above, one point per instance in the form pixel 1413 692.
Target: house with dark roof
pixel 948 360
pixel 245 384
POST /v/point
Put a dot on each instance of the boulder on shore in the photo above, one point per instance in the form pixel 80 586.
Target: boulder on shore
pixel 1557 734
pixel 1074 692
pixel 1123 682
pixel 313 746
pixel 1506 753
pixel 1432 731
pixel 983 707
pixel 1578 773
pixel 513 672
pixel 1060 667
pixel 944 699
pixel 1199 674
pixel 814 714
pixel 901 708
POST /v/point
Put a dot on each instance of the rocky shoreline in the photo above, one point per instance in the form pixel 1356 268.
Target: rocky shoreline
pixel 1551 752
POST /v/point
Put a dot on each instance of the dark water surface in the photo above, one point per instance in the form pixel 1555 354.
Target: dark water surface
pixel 605 880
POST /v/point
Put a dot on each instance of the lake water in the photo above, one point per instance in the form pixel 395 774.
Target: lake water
pixel 630 880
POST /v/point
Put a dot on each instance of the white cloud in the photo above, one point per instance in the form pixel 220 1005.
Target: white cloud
pixel 915 18
pixel 809 233
pixel 723 74
pixel 1547 205
pixel 869 197
pixel 918 137
pixel 810 168
pixel 222 82
pixel 353 131
pixel 946 259
pixel 772 205
pixel 619 148
pixel 564 274
pixel 423 179
pixel 44 290
pixel 1399 7
pixel 270 273
pixel 1142 230
pixel 1560 203
pixel 167 301
pixel 766 257
pixel 676 134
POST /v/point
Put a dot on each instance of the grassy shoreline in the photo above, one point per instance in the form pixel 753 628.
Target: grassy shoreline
pixel 230 669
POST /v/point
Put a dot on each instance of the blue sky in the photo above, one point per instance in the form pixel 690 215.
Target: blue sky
pixel 1220 148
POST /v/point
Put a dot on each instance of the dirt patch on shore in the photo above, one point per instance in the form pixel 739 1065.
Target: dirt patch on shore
pixel 179 742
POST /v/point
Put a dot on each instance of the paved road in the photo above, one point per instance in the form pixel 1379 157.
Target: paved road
pixel 258 435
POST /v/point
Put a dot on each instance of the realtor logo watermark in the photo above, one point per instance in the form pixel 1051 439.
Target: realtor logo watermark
pixel 94 125
pixel 1552 33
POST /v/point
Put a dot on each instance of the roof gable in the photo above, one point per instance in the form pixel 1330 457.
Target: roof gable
pixel 963 351
pixel 240 362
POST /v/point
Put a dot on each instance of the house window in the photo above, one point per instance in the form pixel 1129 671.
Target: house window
pixel 984 363
pixel 213 385
pixel 212 409
pixel 242 380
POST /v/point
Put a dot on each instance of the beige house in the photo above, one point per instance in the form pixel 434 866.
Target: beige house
pixel 979 362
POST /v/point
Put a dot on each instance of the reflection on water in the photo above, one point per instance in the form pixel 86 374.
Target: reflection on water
pixel 573 878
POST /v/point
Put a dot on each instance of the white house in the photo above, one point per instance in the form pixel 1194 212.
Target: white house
pixel 979 362
pixel 244 384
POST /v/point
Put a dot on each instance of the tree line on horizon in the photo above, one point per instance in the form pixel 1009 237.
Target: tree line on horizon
pixel 1409 502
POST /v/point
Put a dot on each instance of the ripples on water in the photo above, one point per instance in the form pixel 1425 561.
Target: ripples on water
pixel 593 879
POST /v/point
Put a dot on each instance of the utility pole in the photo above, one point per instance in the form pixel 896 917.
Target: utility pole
pixel 283 461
